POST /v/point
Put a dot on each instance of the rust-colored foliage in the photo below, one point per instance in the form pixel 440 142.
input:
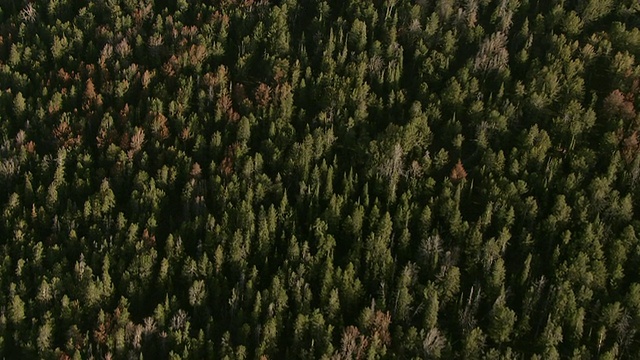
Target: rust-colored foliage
pixel 61 131
pixel 64 135
pixel 263 94
pixel 354 344
pixel 146 79
pixel 279 75
pixel 185 134
pixel 209 79
pixel 458 172
pixel 197 54
pixel 170 67
pixel 137 140
pixel 224 102
pixel 226 106
pixel 90 90
pixel 159 126
pixel 30 147
pixel 123 48
pixel 380 327
pixel 124 114
pixel 64 75
pixel 635 88
pixel 125 140
pixel 149 239
pixel 53 108
pixel 189 31
pixel 90 70
pixel 617 105
pixel 196 170
pixel 226 167
pixel 142 13
pixel 90 96
pixel 101 334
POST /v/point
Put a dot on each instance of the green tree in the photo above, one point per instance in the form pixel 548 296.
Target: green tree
pixel 473 344
pixel 19 104
pixel 502 320
pixel 16 310
pixel 378 251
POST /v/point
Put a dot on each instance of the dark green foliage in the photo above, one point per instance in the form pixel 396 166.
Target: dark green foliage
pixel 319 179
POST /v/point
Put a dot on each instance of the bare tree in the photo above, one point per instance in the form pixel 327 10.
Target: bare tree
pixel 392 169
pixel 493 54
pixel 28 13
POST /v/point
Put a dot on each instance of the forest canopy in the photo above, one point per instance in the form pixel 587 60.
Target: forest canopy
pixel 352 179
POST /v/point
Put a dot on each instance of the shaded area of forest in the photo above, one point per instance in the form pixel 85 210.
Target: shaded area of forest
pixel 319 179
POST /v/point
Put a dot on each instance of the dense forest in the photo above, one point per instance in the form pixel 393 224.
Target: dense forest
pixel 338 179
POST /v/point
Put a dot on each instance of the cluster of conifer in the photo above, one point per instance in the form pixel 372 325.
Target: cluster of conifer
pixel 338 179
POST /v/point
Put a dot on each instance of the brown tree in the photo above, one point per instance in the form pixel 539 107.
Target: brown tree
pixel 617 105
pixel 458 172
